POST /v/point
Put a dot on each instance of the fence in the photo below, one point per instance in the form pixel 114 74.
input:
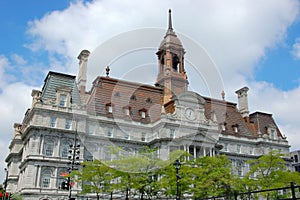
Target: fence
pixel 261 194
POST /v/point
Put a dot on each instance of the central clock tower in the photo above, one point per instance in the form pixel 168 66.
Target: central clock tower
pixel 171 75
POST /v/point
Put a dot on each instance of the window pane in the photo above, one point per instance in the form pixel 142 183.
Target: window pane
pixel 62 100
pixel 52 122
pixel 46 175
pixel 68 124
pixel 48 146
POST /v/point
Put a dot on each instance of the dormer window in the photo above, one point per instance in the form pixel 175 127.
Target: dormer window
pixel 109 108
pixel 223 127
pixel 126 111
pixel 235 128
pixel 143 113
pixel 273 134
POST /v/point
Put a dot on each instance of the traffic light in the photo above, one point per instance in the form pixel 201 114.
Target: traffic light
pixel 65 185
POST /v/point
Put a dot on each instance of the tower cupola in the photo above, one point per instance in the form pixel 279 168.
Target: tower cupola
pixel 171 76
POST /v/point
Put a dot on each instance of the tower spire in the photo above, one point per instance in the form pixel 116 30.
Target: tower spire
pixel 170 20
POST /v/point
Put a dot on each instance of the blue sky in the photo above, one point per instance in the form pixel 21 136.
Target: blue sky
pixel 254 43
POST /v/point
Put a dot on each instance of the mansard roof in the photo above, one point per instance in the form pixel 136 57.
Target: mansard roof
pixel 122 94
pixel 264 121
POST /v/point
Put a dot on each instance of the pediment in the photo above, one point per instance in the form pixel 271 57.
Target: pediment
pixel 189 99
pixel 202 137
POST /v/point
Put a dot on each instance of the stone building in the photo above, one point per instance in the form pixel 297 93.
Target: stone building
pixel 131 115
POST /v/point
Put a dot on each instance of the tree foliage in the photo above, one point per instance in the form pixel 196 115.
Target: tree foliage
pixel 144 176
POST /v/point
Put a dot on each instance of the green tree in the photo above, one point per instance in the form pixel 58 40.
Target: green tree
pixel 16 196
pixel 137 173
pixel 267 172
pixel 211 176
pixel 95 177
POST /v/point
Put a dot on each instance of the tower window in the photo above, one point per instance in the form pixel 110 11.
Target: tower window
pixel 175 62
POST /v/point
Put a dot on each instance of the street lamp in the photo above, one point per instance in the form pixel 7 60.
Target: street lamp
pixel 177 166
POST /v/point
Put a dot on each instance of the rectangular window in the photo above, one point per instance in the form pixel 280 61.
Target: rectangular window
pixel 53 122
pixel 143 137
pixel 110 132
pixel 273 134
pixel 62 100
pixel 49 149
pixel 238 148
pixel 46 182
pixel 172 133
pixel 127 136
pixel 110 110
pixel 251 151
pixel 296 158
pixel 235 129
pixel 126 111
pixel 92 129
pixel 68 124
pixel 225 147
pixel 143 114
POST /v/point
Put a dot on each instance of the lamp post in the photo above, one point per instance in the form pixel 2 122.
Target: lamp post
pixel 177 166
pixel 5 183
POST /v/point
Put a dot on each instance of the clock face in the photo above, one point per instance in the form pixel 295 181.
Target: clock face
pixel 190 114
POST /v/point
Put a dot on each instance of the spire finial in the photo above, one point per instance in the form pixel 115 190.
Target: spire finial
pixel 223 95
pixel 107 71
pixel 170 20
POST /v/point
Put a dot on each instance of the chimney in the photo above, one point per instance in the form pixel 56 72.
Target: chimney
pixel 81 79
pixel 243 102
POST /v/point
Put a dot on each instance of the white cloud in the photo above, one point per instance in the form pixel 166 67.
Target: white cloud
pixel 14 100
pixel 296 49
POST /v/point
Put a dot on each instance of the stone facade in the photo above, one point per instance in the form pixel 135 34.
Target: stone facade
pixel 131 116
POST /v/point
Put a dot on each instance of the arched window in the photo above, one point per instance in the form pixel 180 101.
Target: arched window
pixel 48 147
pixel 64 148
pixel 46 178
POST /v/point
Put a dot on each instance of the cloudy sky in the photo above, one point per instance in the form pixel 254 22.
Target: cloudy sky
pixel 251 43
